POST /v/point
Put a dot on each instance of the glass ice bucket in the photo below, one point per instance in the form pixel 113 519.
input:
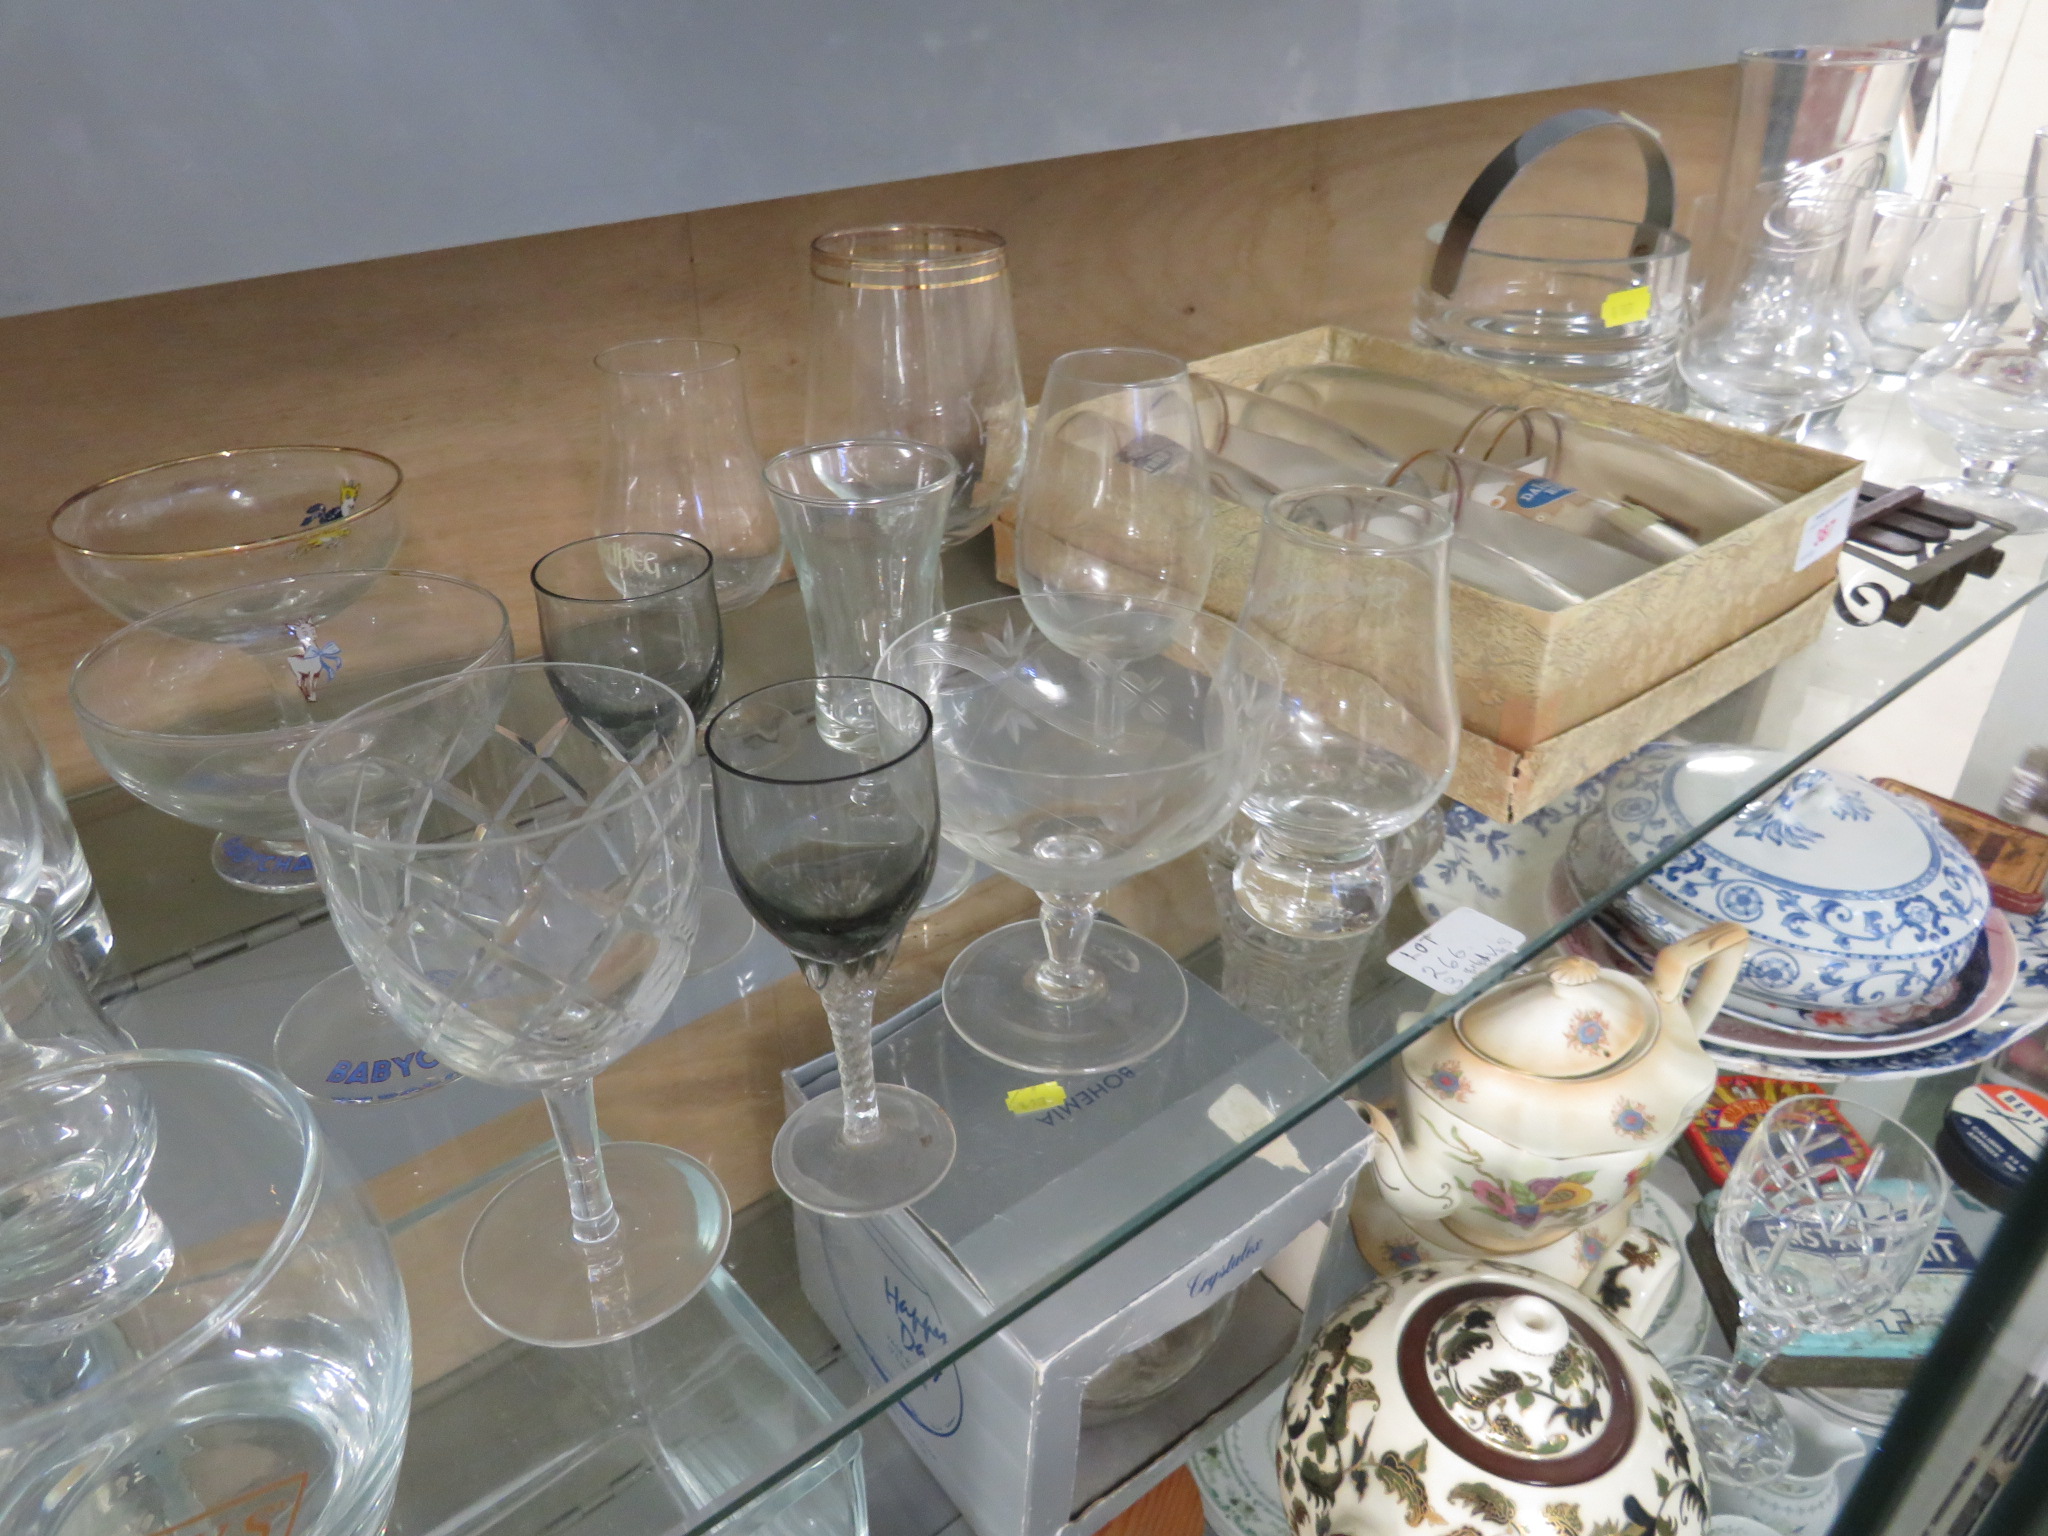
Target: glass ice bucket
pixel 1596 303
pixel 234 1354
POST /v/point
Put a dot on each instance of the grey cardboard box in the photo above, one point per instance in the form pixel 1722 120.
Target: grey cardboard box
pixel 1002 1428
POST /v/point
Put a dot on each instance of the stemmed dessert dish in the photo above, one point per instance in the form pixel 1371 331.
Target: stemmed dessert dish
pixel 200 709
pixel 143 541
pixel 1035 787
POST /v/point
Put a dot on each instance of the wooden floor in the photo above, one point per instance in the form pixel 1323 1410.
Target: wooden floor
pixel 472 367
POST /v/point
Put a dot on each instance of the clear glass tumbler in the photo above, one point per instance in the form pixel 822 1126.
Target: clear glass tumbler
pixel 1986 384
pixel 1351 593
pixel 41 861
pixel 259 1377
pixel 679 457
pixel 864 521
pixel 911 336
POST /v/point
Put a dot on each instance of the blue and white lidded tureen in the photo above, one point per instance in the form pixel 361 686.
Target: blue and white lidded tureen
pixel 1853 897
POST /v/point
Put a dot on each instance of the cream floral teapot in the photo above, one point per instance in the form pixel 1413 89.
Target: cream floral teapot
pixel 1529 1119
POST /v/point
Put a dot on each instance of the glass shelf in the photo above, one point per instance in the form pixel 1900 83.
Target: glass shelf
pixel 492 1418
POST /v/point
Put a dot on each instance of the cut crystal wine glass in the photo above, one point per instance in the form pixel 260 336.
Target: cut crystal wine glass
pixel 1036 788
pixel 1824 1217
pixel 911 336
pixel 1986 385
pixel 1351 592
pixel 510 855
pixel 647 602
pixel 679 457
pixel 831 844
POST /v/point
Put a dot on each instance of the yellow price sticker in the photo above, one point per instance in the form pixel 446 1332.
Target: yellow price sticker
pixel 1028 1101
pixel 1625 306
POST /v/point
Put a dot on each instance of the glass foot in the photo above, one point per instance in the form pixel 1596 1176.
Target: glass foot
pixel 822 1171
pixel 337 1046
pixel 2027 514
pixel 271 866
pixel 951 877
pixel 724 928
pixel 529 1278
pixel 993 1001
pixel 1743 1437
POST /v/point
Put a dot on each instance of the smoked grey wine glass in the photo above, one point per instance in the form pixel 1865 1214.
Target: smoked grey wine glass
pixel 510 856
pixel 1036 788
pixel 831 845
pixel 647 602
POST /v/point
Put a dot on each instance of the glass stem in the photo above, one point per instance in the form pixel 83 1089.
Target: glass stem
pixel 1758 1341
pixel 848 992
pixel 573 1109
pixel 1109 698
pixel 1065 976
pixel 1995 474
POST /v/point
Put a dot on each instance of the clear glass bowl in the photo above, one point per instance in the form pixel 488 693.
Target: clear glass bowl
pixel 200 709
pixel 176 531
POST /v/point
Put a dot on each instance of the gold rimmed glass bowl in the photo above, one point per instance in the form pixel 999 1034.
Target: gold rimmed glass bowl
pixel 142 541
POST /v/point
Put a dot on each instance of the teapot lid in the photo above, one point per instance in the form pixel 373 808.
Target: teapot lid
pixel 1515 1384
pixel 1574 1020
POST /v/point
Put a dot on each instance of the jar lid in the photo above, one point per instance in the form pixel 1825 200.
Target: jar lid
pixel 1516 1384
pixel 1573 1020
pixel 1992 1137
pixel 1827 863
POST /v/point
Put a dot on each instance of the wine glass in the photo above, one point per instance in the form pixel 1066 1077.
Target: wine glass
pixel 1115 501
pixel 1351 592
pixel 510 855
pixel 1915 270
pixel 679 457
pixel 200 709
pixel 831 844
pixel 647 602
pixel 1986 385
pixel 1824 1217
pixel 1035 788
pixel 1779 336
pixel 911 336
pixel 261 1378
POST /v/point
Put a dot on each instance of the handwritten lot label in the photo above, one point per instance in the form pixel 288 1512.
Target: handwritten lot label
pixel 1447 954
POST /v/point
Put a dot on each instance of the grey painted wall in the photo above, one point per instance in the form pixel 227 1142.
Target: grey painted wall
pixel 155 144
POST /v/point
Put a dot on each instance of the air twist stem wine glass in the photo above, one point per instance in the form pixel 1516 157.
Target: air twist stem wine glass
pixel 830 840
pixel 510 856
pixel 1825 1215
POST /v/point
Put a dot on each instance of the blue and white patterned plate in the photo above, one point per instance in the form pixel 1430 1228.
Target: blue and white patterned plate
pixel 1505 872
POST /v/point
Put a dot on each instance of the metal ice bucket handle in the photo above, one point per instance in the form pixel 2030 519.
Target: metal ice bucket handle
pixel 1659 199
